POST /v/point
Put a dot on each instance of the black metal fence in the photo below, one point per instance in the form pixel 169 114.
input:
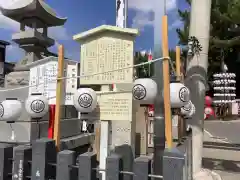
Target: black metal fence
pixel 41 161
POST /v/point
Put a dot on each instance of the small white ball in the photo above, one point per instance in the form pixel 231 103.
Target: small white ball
pixel 36 106
pixel 144 90
pixel 85 100
pixel 10 110
pixel 179 95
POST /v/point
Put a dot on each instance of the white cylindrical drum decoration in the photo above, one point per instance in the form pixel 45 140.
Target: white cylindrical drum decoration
pixel 224 88
pixel 10 110
pixel 144 90
pixel 85 100
pixel 179 95
pixel 36 106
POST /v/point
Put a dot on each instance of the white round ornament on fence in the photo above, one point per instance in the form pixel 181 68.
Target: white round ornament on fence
pixel 85 100
pixel 10 110
pixel 36 106
pixel 193 111
pixel 144 90
pixel 186 109
pixel 179 95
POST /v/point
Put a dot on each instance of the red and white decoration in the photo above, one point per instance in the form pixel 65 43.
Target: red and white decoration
pixel 208 110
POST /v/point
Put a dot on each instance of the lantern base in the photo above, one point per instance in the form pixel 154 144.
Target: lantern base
pixel 175 81
pixel 144 105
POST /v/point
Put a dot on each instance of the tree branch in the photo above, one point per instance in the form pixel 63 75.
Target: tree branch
pixel 221 16
pixel 225 43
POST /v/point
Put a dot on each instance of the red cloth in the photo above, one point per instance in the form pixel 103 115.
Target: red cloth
pixel 51 121
pixel 151 107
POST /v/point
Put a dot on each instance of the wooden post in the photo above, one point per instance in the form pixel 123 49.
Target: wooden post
pixel 178 63
pixel 97 140
pixel 179 78
pixel 166 83
pixel 59 96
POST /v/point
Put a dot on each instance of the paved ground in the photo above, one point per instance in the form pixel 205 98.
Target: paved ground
pixel 222 148
pixel 228 130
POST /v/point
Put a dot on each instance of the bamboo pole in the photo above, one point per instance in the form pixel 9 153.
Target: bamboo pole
pixel 178 63
pixel 97 140
pixel 166 83
pixel 59 96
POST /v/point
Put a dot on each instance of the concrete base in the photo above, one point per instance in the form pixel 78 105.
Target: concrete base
pixel 206 174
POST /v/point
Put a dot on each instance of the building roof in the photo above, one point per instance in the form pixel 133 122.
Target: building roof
pixel 27 67
pixel 26 9
pixel 104 28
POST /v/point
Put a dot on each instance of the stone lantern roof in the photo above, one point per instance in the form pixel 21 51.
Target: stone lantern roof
pixel 26 10
pixel 4 43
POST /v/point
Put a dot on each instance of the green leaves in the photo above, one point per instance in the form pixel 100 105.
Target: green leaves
pixel 196 46
pixel 144 71
pixel 224 32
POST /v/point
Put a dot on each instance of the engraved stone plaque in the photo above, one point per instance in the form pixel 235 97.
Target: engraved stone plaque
pixel 104 55
pixel 117 106
pixel 121 133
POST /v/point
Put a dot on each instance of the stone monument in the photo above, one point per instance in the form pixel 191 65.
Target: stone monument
pixel 3 45
pixel 107 48
pixel 35 17
pixel 38 16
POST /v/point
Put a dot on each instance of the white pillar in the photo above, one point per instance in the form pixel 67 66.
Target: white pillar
pixel 104 140
pixel 197 69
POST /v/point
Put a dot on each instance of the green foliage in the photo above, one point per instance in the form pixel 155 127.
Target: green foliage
pixel 24 61
pixel 172 55
pixel 144 71
pixel 224 32
pixel 147 70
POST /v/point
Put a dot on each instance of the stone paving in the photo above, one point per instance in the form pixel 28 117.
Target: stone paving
pixel 221 152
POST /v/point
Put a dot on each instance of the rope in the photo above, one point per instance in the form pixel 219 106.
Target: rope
pixel 94 74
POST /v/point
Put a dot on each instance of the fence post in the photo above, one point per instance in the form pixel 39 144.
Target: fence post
pixel 127 156
pixel 173 164
pixel 182 147
pixel 189 154
pixel 6 155
pixel 87 164
pixel 65 159
pixel 142 168
pixel 113 167
pixel 21 167
pixel 43 153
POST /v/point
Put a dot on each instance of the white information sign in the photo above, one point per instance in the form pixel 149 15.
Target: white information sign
pixel 43 80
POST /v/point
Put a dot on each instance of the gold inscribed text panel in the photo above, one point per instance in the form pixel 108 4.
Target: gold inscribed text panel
pixel 114 107
pixel 103 55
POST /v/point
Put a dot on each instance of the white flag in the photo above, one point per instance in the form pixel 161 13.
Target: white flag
pixel 120 13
